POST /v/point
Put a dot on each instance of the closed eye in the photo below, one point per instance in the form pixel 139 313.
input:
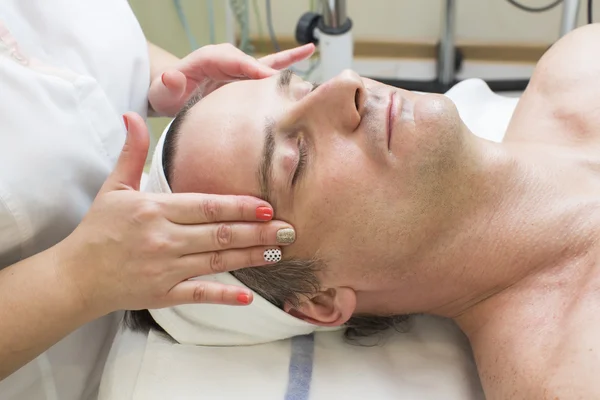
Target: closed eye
pixel 301 165
pixel 302 151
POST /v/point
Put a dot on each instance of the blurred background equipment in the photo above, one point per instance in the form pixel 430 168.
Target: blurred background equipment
pixel 331 31
pixel 418 45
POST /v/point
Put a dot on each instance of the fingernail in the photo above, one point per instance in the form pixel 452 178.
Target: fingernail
pixel 272 255
pixel 264 213
pixel 243 298
pixel 162 78
pixel 286 235
pixel 125 122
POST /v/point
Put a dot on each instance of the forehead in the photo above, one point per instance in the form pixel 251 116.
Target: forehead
pixel 222 137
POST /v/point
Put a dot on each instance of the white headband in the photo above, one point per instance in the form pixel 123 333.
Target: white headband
pixel 219 325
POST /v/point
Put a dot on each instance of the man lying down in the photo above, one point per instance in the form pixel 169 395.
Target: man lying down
pixel 399 209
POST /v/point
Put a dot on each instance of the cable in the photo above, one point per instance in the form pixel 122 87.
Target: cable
pixel 535 9
pixel 186 26
pixel 590 14
pixel 211 21
pixel 240 10
pixel 270 27
pixel 312 65
pixel 258 18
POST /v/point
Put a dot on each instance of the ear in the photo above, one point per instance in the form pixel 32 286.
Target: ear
pixel 332 307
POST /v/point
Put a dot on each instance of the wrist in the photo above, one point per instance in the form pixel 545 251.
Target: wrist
pixel 73 275
pixel 160 61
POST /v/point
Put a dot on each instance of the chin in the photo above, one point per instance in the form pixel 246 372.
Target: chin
pixel 428 157
pixel 438 127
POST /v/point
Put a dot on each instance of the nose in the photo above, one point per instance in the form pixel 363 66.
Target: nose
pixel 345 95
pixel 350 81
pixel 348 76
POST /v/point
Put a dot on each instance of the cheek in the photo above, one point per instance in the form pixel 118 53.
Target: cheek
pixel 343 173
pixel 344 193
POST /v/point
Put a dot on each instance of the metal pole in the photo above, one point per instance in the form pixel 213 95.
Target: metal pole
pixel 334 13
pixel 446 73
pixel 569 16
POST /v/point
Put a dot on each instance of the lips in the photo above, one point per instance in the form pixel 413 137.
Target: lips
pixel 391 116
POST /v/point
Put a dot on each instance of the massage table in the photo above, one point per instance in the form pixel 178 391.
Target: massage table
pixel 428 359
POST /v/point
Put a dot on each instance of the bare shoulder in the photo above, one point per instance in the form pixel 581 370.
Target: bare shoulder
pixel 562 102
pixel 571 66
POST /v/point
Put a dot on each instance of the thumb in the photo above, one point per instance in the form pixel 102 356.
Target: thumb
pixel 166 93
pixel 130 165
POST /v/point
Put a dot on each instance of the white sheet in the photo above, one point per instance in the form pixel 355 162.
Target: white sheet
pixel 430 361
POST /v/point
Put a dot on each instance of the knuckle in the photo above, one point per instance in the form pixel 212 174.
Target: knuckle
pixel 217 263
pixel 157 243
pixel 146 211
pixel 254 259
pixel 263 236
pixel 224 235
pixel 199 294
pixel 211 210
pixel 243 207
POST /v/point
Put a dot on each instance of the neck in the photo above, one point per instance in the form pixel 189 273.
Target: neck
pixel 513 219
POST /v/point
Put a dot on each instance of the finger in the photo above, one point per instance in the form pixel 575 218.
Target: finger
pixel 199 208
pixel 130 165
pixel 197 291
pixel 174 81
pixel 224 63
pixel 234 64
pixel 166 94
pixel 191 239
pixel 217 262
pixel 251 68
pixel 286 58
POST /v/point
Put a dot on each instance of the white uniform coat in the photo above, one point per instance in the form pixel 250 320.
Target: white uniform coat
pixel 69 69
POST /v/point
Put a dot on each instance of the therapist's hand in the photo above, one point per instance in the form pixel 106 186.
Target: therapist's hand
pixel 136 250
pixel 217 64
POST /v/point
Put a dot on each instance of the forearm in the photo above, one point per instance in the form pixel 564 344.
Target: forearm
pixel 160 60
pixel 38 307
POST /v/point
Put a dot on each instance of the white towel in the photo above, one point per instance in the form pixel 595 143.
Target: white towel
pixel 216 325
pixel 431 361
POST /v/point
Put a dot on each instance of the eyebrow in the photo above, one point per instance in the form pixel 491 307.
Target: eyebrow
pixel 285 78
pixel 265 169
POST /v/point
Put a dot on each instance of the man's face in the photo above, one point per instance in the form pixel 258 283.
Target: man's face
pixel 358 168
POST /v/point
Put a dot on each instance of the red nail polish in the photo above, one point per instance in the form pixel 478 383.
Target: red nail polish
pixel 162 78
pixel 264 213
pixel 243 298
pixel 125 122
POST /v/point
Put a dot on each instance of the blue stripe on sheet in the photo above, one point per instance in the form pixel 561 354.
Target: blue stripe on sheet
pixel 301 367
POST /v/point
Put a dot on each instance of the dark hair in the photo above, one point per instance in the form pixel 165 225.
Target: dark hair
pixel 172 134
pixel 284 282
